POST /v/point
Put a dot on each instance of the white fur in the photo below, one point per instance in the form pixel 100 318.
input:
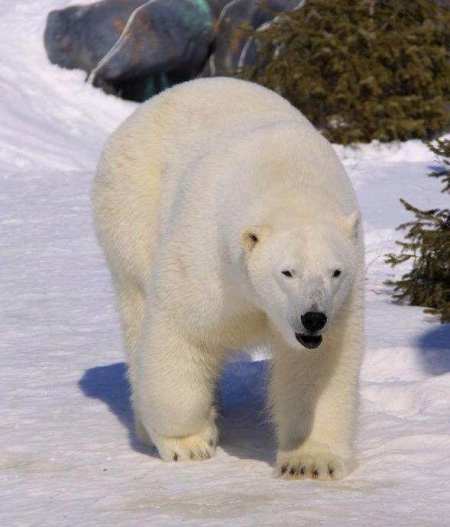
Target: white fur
pixel 181 188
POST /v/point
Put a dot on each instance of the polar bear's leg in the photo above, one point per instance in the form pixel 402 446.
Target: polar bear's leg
pixel 314 397
pixel 198 446
pixel 174 392
pixel 131 310
pixel 131 301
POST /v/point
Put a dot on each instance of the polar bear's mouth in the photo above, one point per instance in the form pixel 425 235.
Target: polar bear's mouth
pixel 309 341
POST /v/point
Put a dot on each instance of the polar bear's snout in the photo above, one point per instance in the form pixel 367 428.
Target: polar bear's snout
pixel 314 321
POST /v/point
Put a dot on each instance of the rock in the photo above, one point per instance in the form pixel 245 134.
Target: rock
pixel 80 36
pixel 136 48
pixel 216 7
pixel 161 36
pixel 233 46
pixel 133 48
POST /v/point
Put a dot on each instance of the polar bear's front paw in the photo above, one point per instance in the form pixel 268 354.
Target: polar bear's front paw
pixel 189 448
pixel 311 463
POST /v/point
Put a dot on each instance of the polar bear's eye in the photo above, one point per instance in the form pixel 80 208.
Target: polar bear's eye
pixel 253 237
pixel 336 273
pixel 287 273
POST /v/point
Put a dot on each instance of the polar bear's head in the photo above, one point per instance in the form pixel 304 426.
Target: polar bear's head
pixel 301 277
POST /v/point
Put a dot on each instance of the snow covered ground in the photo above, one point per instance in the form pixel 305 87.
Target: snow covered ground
pixel 67 457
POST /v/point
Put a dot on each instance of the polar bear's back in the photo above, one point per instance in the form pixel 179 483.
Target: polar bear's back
pixel 217 106
pixel 194 117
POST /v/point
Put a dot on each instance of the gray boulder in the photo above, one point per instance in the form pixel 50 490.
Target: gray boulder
pixel 216 7
pixel 161 36
pixel 78 37
pixel 136 48
pixel 133 48
pixel 233 47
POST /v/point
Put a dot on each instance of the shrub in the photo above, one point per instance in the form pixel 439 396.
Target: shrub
pixel 361 69
pixel 427 245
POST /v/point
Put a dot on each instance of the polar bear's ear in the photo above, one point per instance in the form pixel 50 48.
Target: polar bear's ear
pixel 252 236
pixel 352 222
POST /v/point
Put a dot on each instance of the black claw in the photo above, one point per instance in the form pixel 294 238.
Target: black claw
pixel 211 442
pixel 191 455
pixel 175 457
pixel 283 469
pixel 331 471
pixel 315 474
pixel 292 471
pixel 302 471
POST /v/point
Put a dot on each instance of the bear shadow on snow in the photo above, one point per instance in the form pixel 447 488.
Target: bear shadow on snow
pixel 434 347
pixel 244 425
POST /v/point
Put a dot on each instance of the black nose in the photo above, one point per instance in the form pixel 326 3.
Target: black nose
pixel 314 321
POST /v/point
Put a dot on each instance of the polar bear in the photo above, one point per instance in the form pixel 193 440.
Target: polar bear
pixel 228 221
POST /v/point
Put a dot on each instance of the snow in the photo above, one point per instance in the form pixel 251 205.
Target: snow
pixel 67 457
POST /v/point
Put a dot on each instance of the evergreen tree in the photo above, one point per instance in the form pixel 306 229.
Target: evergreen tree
pixel 427 244
pixel 361 69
